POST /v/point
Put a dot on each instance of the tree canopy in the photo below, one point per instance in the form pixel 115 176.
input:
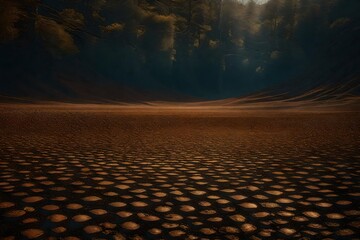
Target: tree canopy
pixel 201 48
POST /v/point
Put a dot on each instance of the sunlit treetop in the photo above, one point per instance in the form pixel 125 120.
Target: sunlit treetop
pixel 255 1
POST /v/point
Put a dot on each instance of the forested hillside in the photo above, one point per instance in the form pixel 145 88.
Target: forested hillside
pixel 162 49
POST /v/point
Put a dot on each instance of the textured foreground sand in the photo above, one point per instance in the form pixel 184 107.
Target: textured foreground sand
pixel 130 173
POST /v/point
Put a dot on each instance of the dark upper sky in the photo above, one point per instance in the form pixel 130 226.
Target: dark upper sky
pixel 175 49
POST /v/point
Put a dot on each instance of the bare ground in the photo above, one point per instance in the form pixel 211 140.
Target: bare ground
pixel 109 172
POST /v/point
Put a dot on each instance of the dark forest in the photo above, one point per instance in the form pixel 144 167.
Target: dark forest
pixel 134 50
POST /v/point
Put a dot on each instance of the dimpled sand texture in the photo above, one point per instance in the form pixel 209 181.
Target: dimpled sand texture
pixel 180 175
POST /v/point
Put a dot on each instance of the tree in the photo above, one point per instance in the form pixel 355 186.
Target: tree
pixel 10 15
pixel 271 16
pixel 289 12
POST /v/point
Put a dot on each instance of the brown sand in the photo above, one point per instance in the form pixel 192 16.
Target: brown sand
pixel 111 172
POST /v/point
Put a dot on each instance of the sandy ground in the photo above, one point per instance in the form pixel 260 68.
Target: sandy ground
pixel 93 172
